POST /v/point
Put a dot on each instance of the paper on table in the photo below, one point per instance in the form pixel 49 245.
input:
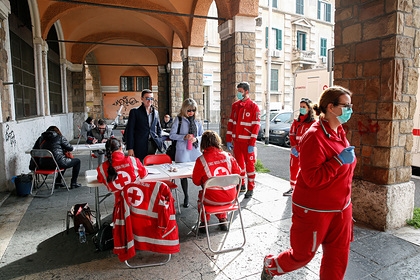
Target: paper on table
pixel 152 170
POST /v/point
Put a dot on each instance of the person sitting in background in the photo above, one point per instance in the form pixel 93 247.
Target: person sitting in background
pixel 58 145
pixel 100 134
pixel 119 165
pixel 87 126
pixel 167 123
pixel 214 162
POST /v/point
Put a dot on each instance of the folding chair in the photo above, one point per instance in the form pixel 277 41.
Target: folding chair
pixel 162 159
pixel 42 174
pixel 219 182
pixel 144 220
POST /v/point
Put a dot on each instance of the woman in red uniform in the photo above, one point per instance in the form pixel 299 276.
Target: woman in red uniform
pixel 298 128
pixel 214 162
pixel 322 209
pixel 119 170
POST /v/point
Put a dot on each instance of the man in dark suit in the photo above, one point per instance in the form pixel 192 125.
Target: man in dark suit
pixel 143 134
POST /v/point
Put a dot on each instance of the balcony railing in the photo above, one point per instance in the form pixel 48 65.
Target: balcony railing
pixel 305 57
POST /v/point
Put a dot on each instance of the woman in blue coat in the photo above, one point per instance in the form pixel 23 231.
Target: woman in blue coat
pixel 188 138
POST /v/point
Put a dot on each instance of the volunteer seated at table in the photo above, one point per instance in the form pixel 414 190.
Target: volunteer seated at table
pixel 100 134
pixel 119 170
pixel 58 145
pixel 214 162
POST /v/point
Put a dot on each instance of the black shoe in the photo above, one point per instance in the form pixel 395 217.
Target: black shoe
pixel 202 228
pixel 75 185
pixel 58 185
pixel 288 193
pixel 223 227
pixel 249 194
pixel 243 188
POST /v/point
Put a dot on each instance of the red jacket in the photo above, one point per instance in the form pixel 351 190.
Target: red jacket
pixel 144 219
pixel 323 183
pixel 214 162
pixel 297 129
pixel 244 122
pixel 128 170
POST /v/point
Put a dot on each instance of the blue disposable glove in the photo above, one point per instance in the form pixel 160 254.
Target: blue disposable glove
pixel 250 149
pixel 294 152
pixel 229 146
pixel 347 155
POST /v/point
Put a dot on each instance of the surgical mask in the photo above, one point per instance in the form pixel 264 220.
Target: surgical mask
pixel 345 115
pixel 303 111
pixel 239 95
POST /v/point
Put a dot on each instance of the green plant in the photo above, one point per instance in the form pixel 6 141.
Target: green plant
pixel 259 167
pixel 415 221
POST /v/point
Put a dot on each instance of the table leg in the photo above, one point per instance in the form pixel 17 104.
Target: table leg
pixel 97 208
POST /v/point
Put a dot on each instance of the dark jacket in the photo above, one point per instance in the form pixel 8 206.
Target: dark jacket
pixel 55 143
pixel 137 131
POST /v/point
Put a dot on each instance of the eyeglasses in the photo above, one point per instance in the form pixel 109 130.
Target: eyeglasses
pixel 191 110
pixel 150 98
pixel 348 106
pixel 101 128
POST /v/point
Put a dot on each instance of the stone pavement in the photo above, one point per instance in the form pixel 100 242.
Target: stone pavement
pixel 34 243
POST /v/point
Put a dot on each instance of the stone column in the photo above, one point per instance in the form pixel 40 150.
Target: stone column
pixel 78 94
pixel 376 58
pixel 176 90
pixel 163 91
pixel 237 62
pixel 193 76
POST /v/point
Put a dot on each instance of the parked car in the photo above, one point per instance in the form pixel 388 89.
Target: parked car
pixel 278 117
pixel 279 134
pixel 273 114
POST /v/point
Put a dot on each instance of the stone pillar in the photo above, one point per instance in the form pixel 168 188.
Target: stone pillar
pixel 237 62
pixel 193 76
pixel 163 91
pixel 176 91
pixel 376 58
pixel 79 93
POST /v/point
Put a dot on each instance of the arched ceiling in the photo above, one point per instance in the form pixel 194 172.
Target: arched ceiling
pixel 148 26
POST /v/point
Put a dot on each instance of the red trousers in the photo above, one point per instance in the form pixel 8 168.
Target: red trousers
pixel 294 170
pixel 246 162
pixel 214 197
pixel 332 230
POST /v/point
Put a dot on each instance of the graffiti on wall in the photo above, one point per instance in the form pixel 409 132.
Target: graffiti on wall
pixel 369 127
pixel 9 135
pixel 125 101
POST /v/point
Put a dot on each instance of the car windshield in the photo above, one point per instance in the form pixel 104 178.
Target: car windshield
pixel 272 115
pixel 283 117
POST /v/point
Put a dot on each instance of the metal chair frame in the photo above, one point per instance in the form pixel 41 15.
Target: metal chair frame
pixel 43 173
pixel 218 182
pixel 162 159
pixel 151 264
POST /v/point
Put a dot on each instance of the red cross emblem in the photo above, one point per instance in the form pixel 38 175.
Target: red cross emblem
pixel 135 196
pixel 122 180
pixel 219 171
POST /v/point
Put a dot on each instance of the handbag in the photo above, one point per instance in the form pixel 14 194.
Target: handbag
pixel 68 154
pixel 81 214
pixel 171 150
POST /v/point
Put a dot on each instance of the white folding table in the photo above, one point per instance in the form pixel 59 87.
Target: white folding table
pixel 160 172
